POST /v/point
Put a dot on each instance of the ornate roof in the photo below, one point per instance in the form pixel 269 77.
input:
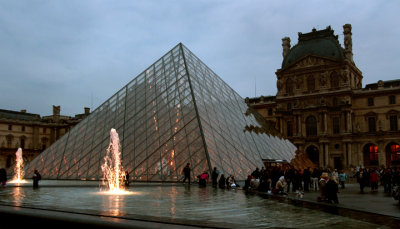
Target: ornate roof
pixel 318 42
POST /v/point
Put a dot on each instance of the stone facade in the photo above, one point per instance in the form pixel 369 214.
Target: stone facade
pixel 323 109
pixel 31 132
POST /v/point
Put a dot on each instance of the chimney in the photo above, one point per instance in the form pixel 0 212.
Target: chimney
pixel 348 42
pixel 23 111
pixel 87 110
pixel 285 46
pixel 56 110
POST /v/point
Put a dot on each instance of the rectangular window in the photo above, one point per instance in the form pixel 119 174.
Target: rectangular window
pixel 23 128
pixel 289 129
pixel 22 143
pixel 336 125
pixel 371 124
pixel 44 130
pixel 269 112
pixel 370 101
pixel 392 99
pixel 9 127
pixel 393 123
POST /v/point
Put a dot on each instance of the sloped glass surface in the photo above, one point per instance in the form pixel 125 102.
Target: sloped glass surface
pixel 175 112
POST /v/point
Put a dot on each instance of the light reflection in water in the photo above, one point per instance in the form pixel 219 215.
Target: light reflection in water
pixel 19 195
pixel 173 195
pixel 114 205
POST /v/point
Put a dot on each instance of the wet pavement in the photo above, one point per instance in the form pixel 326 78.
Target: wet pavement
pixel 191 205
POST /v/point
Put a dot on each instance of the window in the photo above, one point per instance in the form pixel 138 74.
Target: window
pixel 9 127
pixel 311 126
pixel 370 101
pixel 289 129
pixel 310 83
pixel 23 128
pixel 289 86
pixel 373 153
pixel 336 125
pixel 44 130
pixel 22 145
pixel 393 123
pixel 334 102
pixel 334 80
pixel 371 124
pixel 392 99
pixel 289 106
pixel 270 112
pixel 9 140
pixel 393 153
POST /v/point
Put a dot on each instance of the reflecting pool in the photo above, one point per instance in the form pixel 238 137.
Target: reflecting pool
pixel 180 204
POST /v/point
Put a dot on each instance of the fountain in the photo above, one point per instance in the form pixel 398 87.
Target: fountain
pixel 19 168
pixel 112 167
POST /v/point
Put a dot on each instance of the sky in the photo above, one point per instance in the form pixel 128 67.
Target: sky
pixel 77 54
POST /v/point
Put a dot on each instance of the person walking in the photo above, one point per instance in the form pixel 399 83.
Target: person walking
pixel 36 178
pixel 186 173
pixel 306 179
pixel 214 177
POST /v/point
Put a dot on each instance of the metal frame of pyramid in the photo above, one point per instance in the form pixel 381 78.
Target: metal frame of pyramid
pixel 177 111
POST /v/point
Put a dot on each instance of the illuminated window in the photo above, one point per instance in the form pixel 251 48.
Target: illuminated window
pixel 373 153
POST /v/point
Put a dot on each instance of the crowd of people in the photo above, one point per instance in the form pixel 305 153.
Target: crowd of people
pixel 282 180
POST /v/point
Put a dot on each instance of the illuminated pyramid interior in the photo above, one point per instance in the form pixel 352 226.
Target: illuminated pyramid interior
pixel 177 111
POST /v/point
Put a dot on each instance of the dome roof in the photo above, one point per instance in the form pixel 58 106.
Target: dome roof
pixel 321 43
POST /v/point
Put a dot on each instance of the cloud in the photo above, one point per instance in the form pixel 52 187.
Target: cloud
pixel 79 53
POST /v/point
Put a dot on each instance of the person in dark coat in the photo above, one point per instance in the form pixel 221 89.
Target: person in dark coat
pixel 126 178
pixel 186 172
pixel 36 178
pixel 214 177
pixel 332 189
pixel 362 178
pixel 306 179
pixel 256 174
pixel 247 183
pixel 221 182
pixel 3 177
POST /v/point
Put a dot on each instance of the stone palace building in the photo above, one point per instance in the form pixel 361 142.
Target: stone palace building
pixel 31 132
pixel 322 107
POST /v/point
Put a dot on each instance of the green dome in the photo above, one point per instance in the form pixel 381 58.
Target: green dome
pixel 320 43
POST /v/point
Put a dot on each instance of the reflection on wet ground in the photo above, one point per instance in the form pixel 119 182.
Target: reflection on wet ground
pixel 179 203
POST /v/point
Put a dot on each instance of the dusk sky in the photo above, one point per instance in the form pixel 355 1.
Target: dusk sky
pixel 79 53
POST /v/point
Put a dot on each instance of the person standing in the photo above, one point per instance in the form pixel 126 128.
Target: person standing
pixel 36 178
pixel 126 179
pixel 306 179
pixel 221 182
pixel 342 178
pixel 3 177
pixel 203 179
pixel 314 177
pixel 214 177
pixel 332 190
pixel 186 172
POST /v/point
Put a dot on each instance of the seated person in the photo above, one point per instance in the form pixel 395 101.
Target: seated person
pixel 280 185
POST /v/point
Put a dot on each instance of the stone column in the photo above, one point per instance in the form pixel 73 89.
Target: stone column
pixel 299 126
pixel 326 154
pixel 325 123
pixel 349 122
pixel 348 42
pixel 349 152
pixel 381 154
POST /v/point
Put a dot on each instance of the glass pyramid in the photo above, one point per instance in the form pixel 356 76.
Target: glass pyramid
pixel 176 111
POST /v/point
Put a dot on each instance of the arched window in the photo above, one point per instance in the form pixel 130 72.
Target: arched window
pixel 289 86
pixel 370 154
pixel 311 126
pixel 393 154
pixel 310 83
pixel 334 80
pixel 313 154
